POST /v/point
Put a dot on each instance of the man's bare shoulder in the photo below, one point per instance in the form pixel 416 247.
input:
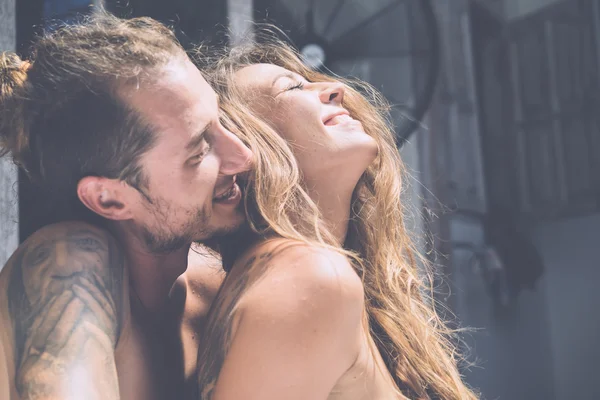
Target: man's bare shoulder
pixel 76 234
pixel 65 297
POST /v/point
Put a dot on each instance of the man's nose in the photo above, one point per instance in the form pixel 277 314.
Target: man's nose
pixel 235 156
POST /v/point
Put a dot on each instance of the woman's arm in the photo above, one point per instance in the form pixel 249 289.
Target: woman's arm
pixel 298 329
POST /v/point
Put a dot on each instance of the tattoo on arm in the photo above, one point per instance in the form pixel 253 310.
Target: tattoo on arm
pixel 65 300
pixel 218 334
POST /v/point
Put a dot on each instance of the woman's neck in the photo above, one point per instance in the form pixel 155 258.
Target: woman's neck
pixel 334 201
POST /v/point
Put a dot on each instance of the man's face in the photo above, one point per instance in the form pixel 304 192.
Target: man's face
pixel 191 194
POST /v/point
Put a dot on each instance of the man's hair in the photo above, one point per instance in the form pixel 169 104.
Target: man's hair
pixel 61 117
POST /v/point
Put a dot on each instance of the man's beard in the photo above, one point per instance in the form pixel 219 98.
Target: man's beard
pixel 164 240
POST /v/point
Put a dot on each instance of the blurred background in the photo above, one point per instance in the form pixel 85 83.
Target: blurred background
pixel 497 107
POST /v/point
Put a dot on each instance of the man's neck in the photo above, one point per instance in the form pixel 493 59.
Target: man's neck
pixel 151 276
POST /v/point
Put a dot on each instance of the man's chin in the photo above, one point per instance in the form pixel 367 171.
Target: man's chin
pixel 222 230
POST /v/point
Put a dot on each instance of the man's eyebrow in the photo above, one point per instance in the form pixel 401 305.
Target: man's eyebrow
pixel 197 139
pixel 288 74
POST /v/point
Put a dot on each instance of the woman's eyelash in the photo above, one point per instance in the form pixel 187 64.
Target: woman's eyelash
pixel 299 85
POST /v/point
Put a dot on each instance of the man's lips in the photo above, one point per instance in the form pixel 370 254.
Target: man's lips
pixel 227 191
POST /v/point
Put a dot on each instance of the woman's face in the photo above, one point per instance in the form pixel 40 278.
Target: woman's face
pixel 325 139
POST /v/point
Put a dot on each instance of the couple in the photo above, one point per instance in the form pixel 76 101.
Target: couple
pixel 292 176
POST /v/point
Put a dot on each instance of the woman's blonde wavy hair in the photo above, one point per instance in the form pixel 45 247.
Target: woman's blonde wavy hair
pixel 416 345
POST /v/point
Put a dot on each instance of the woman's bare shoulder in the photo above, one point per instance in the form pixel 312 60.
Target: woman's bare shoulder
pixel 286 272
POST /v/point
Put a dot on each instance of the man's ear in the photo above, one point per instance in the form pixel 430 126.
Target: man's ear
pixel 109 198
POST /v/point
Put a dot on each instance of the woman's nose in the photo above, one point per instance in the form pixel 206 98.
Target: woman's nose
pixel 333 92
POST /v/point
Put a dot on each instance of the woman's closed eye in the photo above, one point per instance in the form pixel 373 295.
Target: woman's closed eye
pixel 295 86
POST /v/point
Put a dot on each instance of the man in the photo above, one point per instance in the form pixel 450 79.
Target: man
pixel 120 130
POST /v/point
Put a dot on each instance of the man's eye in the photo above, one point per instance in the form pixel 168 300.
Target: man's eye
pixel 194 160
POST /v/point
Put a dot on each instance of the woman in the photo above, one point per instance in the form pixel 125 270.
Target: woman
pixel 323 300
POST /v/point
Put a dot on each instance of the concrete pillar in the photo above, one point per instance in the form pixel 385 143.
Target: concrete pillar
pixel 9 228
pixel 518 8
pixel 241 17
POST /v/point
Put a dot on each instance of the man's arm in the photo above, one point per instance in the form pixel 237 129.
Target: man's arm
pixel 4 384
pixel 65 296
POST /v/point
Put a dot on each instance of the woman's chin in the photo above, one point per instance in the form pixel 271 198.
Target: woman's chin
pixel 366 146
pixel 352 167
pixel 364 153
